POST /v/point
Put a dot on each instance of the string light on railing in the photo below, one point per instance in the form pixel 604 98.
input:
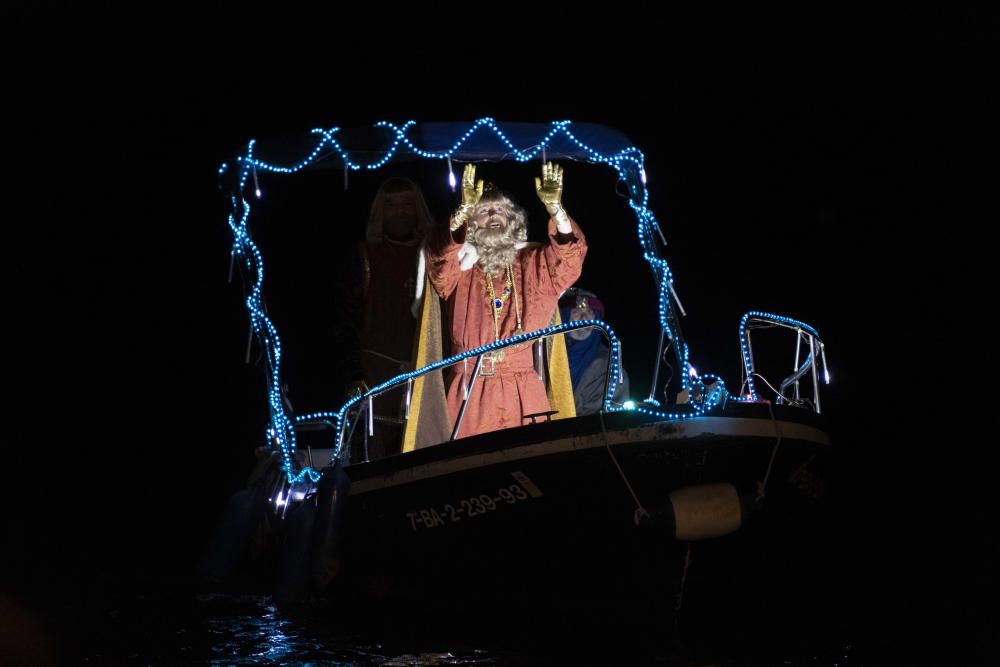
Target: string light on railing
pixel 405 377
pixel 745 346
pixel 708 400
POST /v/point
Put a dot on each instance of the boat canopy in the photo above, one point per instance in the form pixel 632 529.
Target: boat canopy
pixel 377 145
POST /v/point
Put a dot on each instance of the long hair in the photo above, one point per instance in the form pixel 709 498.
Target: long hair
pixel 374 232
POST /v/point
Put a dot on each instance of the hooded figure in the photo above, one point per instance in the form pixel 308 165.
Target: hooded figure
pixel 588 354
pixel 377 338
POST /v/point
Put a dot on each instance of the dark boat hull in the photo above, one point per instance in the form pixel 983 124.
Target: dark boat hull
pixel 574 513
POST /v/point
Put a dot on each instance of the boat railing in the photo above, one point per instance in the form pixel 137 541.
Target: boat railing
pixel 359 410
pixel 807 340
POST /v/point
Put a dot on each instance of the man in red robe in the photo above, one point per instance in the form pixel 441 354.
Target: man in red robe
pixel 494 286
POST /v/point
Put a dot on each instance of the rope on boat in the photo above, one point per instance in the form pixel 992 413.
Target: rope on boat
pixel 762 485
pixel 640 511
pixel 684 575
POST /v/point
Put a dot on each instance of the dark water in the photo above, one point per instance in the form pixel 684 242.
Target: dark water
pixel 252 631
pixel 171 625
pixel 870 614
pixel 256 632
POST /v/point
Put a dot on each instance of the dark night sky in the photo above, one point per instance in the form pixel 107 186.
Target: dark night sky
pixel 819 178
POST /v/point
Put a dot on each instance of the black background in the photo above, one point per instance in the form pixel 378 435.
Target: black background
pixel 832 168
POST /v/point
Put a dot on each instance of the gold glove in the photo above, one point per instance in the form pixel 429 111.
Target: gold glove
pixel 472 191
pixel 549 188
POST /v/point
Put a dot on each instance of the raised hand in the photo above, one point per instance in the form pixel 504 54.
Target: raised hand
pixel 472 191
pixel 549 189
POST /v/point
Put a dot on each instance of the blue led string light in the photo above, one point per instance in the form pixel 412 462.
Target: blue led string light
pixel 709 398
pixel 281 429
pixel 507 342
pixel 627 163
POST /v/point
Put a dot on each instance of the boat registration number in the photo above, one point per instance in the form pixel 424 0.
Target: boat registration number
pixel 474 506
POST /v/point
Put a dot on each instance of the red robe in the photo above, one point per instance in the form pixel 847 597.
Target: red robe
pixel 541 275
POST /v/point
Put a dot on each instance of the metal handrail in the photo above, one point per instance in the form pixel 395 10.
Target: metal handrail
pixel 478 353
pixel 804 332
pixel 465 399
pixel 793 380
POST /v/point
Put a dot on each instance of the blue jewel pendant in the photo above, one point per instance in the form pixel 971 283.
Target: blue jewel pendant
pixel 498 304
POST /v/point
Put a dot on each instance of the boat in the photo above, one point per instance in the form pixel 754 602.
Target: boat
pixel 571 512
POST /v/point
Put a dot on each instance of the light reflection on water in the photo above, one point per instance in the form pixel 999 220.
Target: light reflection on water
pixel 271 638
pixel 165 630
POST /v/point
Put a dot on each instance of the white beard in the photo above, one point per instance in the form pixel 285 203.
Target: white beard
pixel 496 247
pixel 496 250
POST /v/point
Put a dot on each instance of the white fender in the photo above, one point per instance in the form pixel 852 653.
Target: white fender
pixel 705 511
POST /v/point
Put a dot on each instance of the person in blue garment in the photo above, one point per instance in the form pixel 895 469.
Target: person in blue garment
pixel 588 353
